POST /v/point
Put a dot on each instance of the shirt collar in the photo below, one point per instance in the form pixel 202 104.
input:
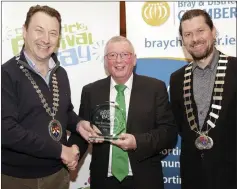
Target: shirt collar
pixel 128 84
pixel 52 63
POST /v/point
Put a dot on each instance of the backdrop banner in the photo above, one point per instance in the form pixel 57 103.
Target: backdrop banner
pixel 152 27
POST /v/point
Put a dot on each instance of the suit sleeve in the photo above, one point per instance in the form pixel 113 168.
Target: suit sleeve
pixel 75 137
pixel 175 104
pixel 16 137
pixel 164 134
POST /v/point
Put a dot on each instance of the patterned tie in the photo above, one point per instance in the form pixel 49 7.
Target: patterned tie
pixel 120 157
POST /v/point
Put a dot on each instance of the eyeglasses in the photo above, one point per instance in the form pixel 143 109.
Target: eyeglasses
pixel 123 55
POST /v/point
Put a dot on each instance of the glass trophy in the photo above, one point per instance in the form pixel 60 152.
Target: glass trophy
pixel 103 120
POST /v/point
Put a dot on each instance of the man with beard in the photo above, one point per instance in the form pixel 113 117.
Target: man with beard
pixel 203 97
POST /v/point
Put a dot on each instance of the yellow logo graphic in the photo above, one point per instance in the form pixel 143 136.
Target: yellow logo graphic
pixel 155 13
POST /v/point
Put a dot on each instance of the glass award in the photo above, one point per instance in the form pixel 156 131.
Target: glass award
pixel 103 120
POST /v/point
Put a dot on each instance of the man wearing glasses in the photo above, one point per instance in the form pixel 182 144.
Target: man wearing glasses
pixel 131 161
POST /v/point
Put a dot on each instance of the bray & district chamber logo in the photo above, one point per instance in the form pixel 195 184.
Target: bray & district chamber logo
pixel 155 13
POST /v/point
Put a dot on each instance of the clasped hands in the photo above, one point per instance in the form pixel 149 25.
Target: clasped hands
pixel 125 141
pixel 70 156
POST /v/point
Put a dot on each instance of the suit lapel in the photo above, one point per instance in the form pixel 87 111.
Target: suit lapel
pixel 104 95
pixel 103 92
pixel 134 101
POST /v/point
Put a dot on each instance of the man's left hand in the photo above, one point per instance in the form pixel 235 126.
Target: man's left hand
pixel 126 142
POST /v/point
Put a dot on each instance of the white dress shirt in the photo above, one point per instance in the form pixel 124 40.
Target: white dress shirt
pixel 113 94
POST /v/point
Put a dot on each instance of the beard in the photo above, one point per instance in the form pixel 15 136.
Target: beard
pixel 197 56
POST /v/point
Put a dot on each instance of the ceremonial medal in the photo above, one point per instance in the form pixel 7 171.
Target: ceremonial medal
pixel 54 127
pixel 204 142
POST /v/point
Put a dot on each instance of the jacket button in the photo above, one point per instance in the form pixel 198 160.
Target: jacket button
pixel 202 155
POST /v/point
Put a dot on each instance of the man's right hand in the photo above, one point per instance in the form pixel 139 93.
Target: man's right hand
pixel 70 156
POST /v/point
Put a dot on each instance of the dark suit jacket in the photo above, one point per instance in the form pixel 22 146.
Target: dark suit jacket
pixel 150 120
pixel 217 168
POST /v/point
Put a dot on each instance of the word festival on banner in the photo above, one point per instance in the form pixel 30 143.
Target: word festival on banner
pixel 76 44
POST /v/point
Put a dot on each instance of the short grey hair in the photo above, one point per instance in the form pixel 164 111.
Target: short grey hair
pixel 118 39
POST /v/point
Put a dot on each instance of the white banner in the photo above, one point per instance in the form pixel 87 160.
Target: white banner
pixel 86 26
pixel 153 26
